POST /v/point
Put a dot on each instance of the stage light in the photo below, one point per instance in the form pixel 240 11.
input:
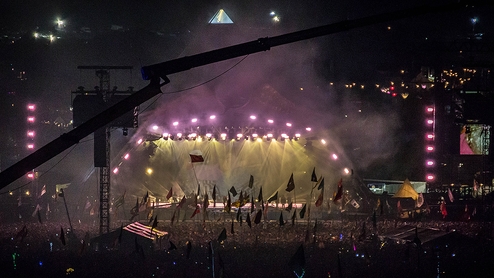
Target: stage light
pixel 115 170
pixel 223 136
pixel 166 135
pixel 429 163
pixel 335 157
pixel 126 156
pixel 30 119
pixel 430 136
pixel 308 128
pixel 31 107
pixel 288 124
pixel 429 109
pixel 209 136
pixel 297 136
pixel 284 136
pixel 430 177
pixel 175 123
pixel 252 117
pixel 239 135
pixel 194 120
pixel 429 148
pixel 30 175
pixel 30 133
pixel 259 139
pixel 149 171
pixel 346 171
pixel 430 122
pixel 254 136
pixel 30 146
pixel 323 141
pixel 139 141
pixel 270 121
pixel 212 117
pixel 269 135
pixel 155 127
pixel 179 136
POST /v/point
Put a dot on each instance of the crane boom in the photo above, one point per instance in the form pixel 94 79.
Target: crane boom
pixel 160 71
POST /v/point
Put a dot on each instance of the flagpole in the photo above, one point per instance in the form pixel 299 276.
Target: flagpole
pixel 195 175
pixel 66 209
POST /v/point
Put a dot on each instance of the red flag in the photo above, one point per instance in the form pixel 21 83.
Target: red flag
pixel 444 212
pixel 196 211
pixel 339 193
pixel 320 199
pixel 398 206
pixel 196 157
pixel 170 193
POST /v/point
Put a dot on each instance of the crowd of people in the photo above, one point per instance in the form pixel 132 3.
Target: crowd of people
pixel 347 246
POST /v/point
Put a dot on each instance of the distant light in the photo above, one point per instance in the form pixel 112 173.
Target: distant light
pixel 346 170
pixel 31 107
pixel 288 124
pixel 429 163
pixel 208 135
pixel 323 141
pixel 179 135
pixel 139 141
pixel 239 135
pixel 27 193
pixel 270 121
pixel 429 177
pixel 255 135
pixel 149 171
pixel 212 117
pixel 276 18
pixel 430 136
pixel 126 156
pixel 192 135
pixel 429 109
pixel 30 146
pixel 259 139
pixel 272 13
pixel 270 135
pixel 30 119
pixel 194 120
pixel 115 170
pixel 175 123
pixel 30 175
pixel 155 127
pixel 429 148
pixel 308 128
pixel 335 157
pixel 297 135
pixel 284 135
pixel 223 136
pixel 166 134
pixel 30 133
pixel 252 117
pixel 429 122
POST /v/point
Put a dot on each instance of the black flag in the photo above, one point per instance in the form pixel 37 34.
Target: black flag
pixel 233 191
pixel 282 222
pixel 62 236
pixel 291 184
pixel 248 220
pixel 259 198
pixel 273 198
pixel 321 185
pixel 222 236
pixel 302 212
pixel 257 220
pixel 289 207
pixel 297 261
pixel 252 204
pixel 214 196
pixel 251 181
pixel 232 231
pixel 238 214
pixel 313 177
pixel 294 216
pixel 172 246
pixel 189 248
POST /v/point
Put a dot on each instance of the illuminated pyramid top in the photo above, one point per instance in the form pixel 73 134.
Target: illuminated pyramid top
pixel 220 17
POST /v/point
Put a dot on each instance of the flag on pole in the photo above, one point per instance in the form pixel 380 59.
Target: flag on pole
pixel 238 214
pixel 196 156
pixel 233 191
pixel 248 220
pixel 297 261
pixel 39 218
pixel 120 200
pixel 302 211
pixel 196 211
pixel 273 198
pixel 313 178
pixel 282 222
pixel 291 184
pixel 257 220
pixel 321 185
pixel 259 198
pixel 232 231
pixel 62 235
pixel 170 193
pixel 251 181
pixel 320 199
pixel 444 212
pixel 294 216
pixel 43 191
pixel 289 207
pixel 252 205
pixel 36 210
pixel 182 202
pixel 214 196
pixel 155 222
pixel 222 236
pixel 450 195
pixel 339 193
pixel 88 205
